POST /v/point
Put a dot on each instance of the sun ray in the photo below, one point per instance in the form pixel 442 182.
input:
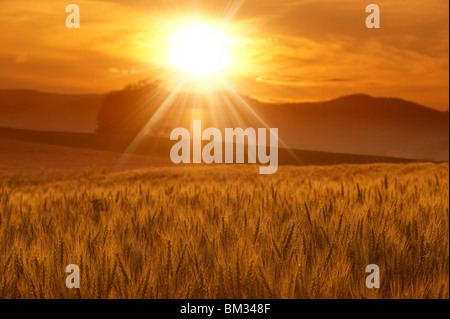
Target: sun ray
pixel 249 108
pixel 232 9
pixel 153 120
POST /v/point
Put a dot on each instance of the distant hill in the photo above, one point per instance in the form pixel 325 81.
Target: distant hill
pixel 156 149
pixel 357 124
pixel 364 125
pixel 34 110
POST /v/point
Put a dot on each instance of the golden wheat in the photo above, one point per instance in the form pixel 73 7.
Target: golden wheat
pixel 227 232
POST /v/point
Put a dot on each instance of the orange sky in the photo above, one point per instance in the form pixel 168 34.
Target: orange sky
pixel 287 50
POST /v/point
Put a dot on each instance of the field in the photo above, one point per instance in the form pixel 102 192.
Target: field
pixel 227 232
pixel 37 159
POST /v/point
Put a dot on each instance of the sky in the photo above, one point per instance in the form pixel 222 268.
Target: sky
pixel 284 51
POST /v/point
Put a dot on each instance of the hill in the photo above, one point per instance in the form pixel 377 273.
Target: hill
pixel 68 153
pixel 32 110
pixel 357 124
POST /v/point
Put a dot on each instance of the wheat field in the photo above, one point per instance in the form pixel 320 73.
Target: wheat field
pixel 227 232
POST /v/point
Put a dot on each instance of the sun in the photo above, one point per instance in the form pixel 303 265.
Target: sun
pixel 200 49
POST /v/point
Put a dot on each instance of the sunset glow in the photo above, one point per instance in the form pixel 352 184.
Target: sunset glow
pixel 214 150
pixel 280 52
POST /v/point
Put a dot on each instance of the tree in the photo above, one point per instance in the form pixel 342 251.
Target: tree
pixel 126 112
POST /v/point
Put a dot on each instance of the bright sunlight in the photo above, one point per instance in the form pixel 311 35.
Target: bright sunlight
pixel 201 50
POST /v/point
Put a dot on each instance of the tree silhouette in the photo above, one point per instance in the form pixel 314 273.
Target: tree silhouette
pixel 126 112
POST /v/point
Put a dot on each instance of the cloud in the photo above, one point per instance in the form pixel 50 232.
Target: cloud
pixel 21 58
pixel 299 83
